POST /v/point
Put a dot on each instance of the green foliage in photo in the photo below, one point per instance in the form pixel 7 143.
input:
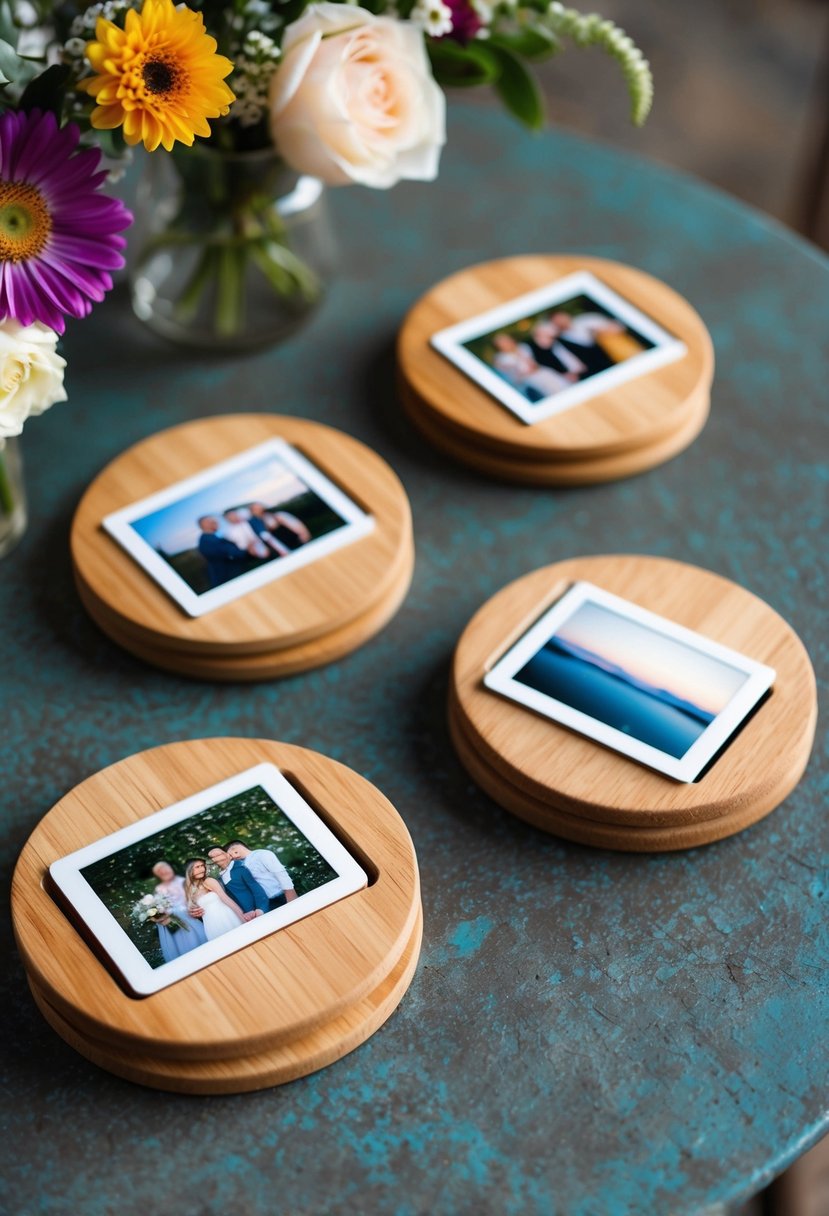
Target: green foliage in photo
pixel 122 879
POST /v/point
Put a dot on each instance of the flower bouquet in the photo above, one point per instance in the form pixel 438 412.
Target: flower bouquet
pixel 246 107
pixel 157 909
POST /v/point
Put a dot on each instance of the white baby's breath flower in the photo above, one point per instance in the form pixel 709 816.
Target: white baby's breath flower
pixel 248 113
pixel 433 16
pixel 31 373
pixel 254 66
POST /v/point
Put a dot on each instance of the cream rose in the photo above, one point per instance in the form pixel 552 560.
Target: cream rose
pixel 354 99
pixel 31 374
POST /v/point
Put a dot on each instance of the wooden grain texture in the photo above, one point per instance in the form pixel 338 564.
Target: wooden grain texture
pixel 628 415
pixel 580 471
pixel 242 1074
pixel 311 601
pixel 293 982
pixel 553 818
pixel 758 768
pixel 270 665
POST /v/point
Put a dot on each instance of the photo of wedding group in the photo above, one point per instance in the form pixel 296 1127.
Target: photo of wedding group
pixel 238 525
pixel 203 878
pixel 635 681
pixel 553 348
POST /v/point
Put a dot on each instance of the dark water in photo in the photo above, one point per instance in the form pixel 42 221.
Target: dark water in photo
pixel 649 717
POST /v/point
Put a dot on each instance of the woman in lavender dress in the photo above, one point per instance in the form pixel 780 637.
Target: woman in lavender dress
pixel 174 941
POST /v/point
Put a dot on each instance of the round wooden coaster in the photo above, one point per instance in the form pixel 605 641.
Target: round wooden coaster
pixel 563 769
pixel 307 603
pixel 388 595
pixel 559 473
pixel 431 421
pixel 629 415
pixel 272 665
pixel 583 830
pixel 276 1066
pixel 295 982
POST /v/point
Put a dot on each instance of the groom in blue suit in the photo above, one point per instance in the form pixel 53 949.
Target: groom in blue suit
pixel 240 884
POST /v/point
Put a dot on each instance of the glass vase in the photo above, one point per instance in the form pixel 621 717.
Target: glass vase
pixel 230 250
pixel 13 516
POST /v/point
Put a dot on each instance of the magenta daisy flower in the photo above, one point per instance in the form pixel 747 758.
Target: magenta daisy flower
pixel 59 238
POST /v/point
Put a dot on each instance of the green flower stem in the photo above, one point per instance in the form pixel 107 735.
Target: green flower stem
pixel 222 264
pixel 226 229
pixel 592 30
pixel 7 499
pixel 230 289
pixel 188 302
pixel 286 273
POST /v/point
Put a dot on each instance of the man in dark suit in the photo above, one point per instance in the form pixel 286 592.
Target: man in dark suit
pixel 580 336
pixel 240 883
pixel 224 559
pixel 548 352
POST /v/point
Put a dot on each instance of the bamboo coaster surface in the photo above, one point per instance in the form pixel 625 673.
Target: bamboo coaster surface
pixel 626 416
pixel 270 665
pixel 562 769
pixel 305 604
pixel 559 473
pixel 276 1066
pixel 297 981
pixel 581 829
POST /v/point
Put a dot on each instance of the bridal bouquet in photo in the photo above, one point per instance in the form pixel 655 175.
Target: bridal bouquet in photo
pixel 246 107
pixel 157 909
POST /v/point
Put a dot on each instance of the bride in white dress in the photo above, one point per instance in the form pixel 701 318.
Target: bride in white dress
pixel 220 912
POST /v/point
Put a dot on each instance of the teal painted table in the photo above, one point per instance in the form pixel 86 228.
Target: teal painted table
pixel 588 1034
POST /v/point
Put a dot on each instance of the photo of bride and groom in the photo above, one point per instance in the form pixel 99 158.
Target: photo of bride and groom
pixel 541 355
pixel 178 889
pixel 198 906
pixel 547 351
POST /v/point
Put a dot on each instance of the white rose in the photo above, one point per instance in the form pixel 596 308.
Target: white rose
pixel 31 373
pixel 354 99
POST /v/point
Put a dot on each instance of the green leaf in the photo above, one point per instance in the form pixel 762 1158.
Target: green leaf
pixel 12 67
pixel 112 144
pixel 8 30
pixel 531 42
pixel 463 66
pixel 518 90
pixel 46 92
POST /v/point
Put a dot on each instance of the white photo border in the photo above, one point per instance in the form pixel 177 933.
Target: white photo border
pixel 759 679
pixel 357 523
pixel 140 976
pixel 449 342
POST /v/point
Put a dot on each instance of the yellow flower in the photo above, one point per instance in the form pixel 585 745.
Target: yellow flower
pixel 159 78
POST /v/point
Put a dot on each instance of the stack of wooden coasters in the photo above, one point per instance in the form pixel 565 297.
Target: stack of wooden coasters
pixel 573 786
pixel 634 419
pixel 315 614
pixel 276 1009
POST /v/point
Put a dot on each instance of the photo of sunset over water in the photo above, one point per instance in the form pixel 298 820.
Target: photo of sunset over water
pixel 644 683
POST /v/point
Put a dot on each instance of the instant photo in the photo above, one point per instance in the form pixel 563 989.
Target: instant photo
pixel 633 681
pixel 554 348
pixel 197 881
pixel 238 525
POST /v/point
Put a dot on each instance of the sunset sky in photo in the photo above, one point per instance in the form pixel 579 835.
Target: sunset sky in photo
pixel 654 658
